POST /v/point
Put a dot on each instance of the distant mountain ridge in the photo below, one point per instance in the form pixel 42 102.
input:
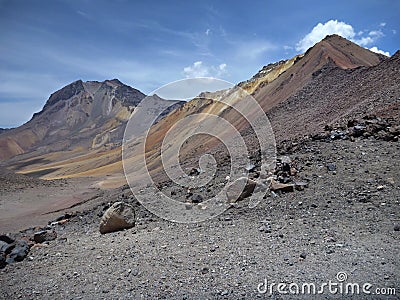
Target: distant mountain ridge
pixel 79 130
pixel 82 115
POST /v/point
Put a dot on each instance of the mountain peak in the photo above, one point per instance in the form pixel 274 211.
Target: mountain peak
pixel 114 81
pixel 343 53
pixel 66 92
pixel 333 37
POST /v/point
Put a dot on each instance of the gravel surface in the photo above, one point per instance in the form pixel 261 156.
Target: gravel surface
pixel 346 220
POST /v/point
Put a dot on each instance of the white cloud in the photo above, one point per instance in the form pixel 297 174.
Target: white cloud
pixel 364 41
pixel 199 69
pixel 376 50
pixel 322 30
pixel 376 33
pixel 383 24
pixel 208 31
pixel 372 37
pixel 196 70
pixel 341 28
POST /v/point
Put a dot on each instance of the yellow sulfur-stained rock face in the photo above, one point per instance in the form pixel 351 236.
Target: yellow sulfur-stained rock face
pixel 268 74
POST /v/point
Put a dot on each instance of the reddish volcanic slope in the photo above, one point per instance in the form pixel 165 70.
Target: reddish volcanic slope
pixel 336 95
pixel 332 60
pixel 331 51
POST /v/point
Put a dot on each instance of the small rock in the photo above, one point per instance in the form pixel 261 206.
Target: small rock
pixel 396 227
pixel 285 160
pixel 202 206
pixel 358 130
pixel 250 167
pixel 284 187
pixel 224 293
pixel 62 222
pixel 390 180
pixel 284 179
pixel 303 255
pixel 194 172
pixel 66 216
pixel 7 239
pixel 380 187
pixel 300 185
pixel 118 217
pixel 331 167
pixel 241 188
pixel 44 236
pixel 196 198
pixel 5 247
pixel 213 248
pixel 19 252
pixel 330 251
pixel 265 228
pixel 205 270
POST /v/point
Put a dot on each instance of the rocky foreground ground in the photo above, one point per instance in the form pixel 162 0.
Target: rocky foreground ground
pixel 344 223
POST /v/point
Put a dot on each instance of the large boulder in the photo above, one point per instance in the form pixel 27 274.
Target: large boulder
pixel 118 217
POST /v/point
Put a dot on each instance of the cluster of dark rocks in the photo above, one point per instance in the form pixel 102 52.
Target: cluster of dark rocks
pixel 282 179
pixel 15 248
pixel 12 250
pixel 387 129
pixel 284 176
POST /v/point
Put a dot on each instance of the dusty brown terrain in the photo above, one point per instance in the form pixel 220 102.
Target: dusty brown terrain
pixel 343 222
pixel 27 201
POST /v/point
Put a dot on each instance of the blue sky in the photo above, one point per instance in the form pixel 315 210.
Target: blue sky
pixel 44 45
